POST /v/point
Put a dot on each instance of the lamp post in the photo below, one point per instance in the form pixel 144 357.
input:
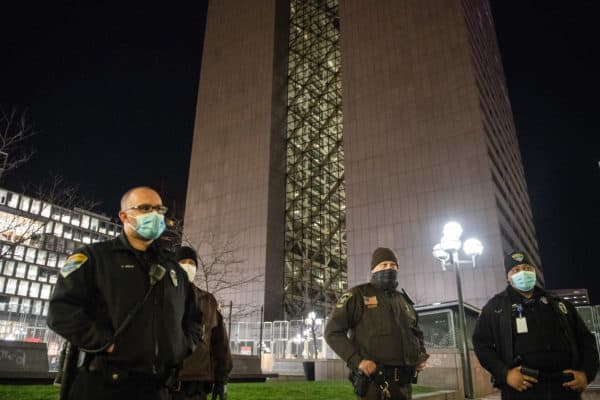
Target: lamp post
pixel 447 253
pixel 312 321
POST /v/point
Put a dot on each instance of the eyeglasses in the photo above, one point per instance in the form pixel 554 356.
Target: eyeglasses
pixel 146 208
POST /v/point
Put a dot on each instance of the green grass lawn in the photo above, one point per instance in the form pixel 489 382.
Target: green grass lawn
pixel 286 390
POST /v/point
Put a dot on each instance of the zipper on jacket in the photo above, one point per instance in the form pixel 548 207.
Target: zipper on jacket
pixel 154 335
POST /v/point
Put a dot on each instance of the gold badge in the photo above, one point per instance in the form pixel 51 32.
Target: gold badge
pixel 342 301
pixel 73 263
pixel 371 301
pixel 562 307
pixel 173 274
pixel 518 257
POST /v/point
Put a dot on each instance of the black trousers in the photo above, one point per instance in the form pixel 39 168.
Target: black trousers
pixel 92 386
pixel 541 391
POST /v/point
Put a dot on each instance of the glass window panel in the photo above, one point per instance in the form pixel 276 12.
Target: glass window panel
pixel 25 202
pixel 34 290
pixel 37 307
pixel 46 292
pixel 94 224
pixel 41 257
pixel 32 272
pixel 21 270
pixel 3 195
pixel 13 305
pixel 85 221
pixel 53 278
pixel 43 275
pixel 58 229
pixel 11 286
pixel 23 288
pixel 2 280
pixel 36 206
pixel 76 219
pixel 49 227
pixel 9 268
pixel 52 259
pixel 46 210
pixel 45 312
pixel 13 200
pixel 25 306
pixel 30 255
pixel 19 253
pixel 65 217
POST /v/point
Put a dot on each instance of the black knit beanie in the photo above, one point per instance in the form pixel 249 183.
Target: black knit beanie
pixel 382 254
pixel 184 252
pixel 515 258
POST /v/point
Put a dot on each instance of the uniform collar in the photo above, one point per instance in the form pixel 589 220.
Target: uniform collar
pixel 514 294
pixel 121 243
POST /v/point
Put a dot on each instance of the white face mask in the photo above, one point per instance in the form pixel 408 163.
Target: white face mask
pixel 190 270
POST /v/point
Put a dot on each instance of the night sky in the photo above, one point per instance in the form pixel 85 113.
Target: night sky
pixel 113 92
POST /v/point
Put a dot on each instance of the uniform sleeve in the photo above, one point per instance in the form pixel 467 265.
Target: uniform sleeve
pixel 586 345
pixel 192 317
pixel 220 351
pixel 72 312
pixel 423 356
pixel 344 317
pixel 485 347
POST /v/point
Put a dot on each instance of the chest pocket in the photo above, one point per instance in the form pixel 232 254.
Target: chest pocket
pixel 376 317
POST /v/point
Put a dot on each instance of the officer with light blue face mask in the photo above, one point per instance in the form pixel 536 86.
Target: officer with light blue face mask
pixel 128 308
pixel 535 345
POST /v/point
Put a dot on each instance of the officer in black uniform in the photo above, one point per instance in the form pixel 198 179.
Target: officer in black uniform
pixel 384 342
pixel 129 308
pixel 535 345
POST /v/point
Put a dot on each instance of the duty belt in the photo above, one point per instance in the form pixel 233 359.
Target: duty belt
pixel 400 374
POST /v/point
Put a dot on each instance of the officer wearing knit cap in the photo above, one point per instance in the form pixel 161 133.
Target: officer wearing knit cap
pixel 386 343
pixel 207 369
pixel 535 345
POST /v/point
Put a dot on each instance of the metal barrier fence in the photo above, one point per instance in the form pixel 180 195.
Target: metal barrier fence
pixel 284 339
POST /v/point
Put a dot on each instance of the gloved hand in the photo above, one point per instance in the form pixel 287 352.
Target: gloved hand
pixel 219 391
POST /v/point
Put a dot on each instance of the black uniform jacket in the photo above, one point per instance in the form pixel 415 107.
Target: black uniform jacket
pixel 369 323
pixel 493 337
pixel 90 302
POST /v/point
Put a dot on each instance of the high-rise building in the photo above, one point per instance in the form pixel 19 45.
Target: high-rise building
pixel 36 237
pixel 324 130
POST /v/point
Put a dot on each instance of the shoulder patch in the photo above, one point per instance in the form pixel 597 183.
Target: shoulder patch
pixel 562 307
pixel 73 263
pixel 343 299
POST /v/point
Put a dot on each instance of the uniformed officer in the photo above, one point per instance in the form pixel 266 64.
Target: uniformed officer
pixel 208 368
pixel 384 340
pixel 535 345
pixel 129 308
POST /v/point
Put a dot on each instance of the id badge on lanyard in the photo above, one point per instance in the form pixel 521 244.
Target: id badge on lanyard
pixel 521 321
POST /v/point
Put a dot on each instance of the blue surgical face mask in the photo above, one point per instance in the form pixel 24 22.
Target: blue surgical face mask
pixel 150 226
pixel 523 280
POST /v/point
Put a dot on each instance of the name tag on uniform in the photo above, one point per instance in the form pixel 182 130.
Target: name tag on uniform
pixel 370 301
pixel 521 325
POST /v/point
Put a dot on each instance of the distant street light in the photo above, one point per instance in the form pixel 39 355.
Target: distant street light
pixel 447 253
pixel 312 321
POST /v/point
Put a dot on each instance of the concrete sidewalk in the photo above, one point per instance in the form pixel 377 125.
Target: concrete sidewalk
pixel 589 394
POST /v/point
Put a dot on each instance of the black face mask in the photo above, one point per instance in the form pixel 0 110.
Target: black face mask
pixel 385 279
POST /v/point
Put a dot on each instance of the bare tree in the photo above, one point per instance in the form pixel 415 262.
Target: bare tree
pixel 218 272
pixel 15 130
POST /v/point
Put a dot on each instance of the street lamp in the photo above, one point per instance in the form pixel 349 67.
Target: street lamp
pixel 312 321
pixel 447 253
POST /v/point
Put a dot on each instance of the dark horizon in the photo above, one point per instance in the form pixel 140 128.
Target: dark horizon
pixel 114 95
